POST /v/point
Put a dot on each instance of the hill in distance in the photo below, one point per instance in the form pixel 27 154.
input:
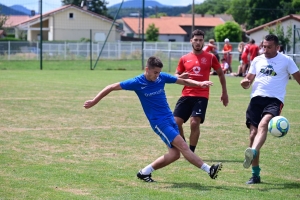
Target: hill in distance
pixel 21 9
pixel 139 4
pixel 5 10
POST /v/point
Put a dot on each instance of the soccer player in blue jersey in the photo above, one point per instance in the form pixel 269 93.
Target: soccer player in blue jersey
pixel 149 87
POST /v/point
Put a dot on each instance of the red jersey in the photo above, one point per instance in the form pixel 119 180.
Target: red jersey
pixel 227 47
pixel 198 67
pixel 208 48
pixel 246 51
pixel 253 50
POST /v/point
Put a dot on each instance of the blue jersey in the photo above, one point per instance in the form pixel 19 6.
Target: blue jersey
pixel 152 96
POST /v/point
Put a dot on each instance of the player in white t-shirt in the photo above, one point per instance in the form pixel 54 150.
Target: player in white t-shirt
pixel 269 75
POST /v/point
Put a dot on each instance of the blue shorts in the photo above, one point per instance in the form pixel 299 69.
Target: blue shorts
pixel 167 131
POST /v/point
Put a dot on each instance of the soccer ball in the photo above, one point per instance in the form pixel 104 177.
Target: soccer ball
pixel 278 126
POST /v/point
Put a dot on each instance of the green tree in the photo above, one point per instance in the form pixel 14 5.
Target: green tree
pixel 152 33
pixel 254 13
pixel 238 11
pixel 284 37
pixel 96 6
pixel 230 30
pixel 3 19
pixel 158 15
pixel 212 7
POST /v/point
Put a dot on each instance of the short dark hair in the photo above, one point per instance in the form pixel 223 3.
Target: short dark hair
pixel 252 41
pixel 197 32
pixel 272 37
pixel 153 62
pixel 281 48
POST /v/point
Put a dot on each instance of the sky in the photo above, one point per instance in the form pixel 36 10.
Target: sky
pixel 53 4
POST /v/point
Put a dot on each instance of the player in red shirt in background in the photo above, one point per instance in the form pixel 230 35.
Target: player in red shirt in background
pixel 224 65
pixel 212 48
pixel 253 50
pixel 227 49
pixel 245 59
pixel 192 104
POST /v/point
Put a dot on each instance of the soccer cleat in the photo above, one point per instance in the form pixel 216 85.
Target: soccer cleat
pixel 214 170
pixel 248 158
pixel 254 180
pixel 146 178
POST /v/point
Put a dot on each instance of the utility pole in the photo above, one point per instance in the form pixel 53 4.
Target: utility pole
pixel 41 34
pixel 143 22
pixel 139 24
pixel 193 16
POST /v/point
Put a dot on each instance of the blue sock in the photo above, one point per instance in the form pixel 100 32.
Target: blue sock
pixel 254 153
pixel 255 171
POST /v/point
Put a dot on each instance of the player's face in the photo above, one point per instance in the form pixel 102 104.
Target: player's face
pixel 270 49
pixel 152 73
pixel 197 43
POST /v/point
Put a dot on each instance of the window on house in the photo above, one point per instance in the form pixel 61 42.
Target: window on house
pixel 71 15
pixel 172 40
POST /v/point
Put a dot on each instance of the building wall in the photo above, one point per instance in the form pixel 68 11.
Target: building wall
pixel 260 34
pixel 66 28
pixel 171 38
pixel 188 30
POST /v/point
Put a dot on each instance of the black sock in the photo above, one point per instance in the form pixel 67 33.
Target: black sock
pixel 192 148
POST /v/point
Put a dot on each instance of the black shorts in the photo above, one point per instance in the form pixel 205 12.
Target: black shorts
pixel 259 106
pixel 187 107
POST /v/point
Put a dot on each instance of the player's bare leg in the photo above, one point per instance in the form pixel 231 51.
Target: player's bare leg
pixel 179 123
pixel 262 132
pixel 195 132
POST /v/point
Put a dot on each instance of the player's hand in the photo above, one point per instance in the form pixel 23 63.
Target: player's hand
pixel 88 104
pixel 205 84
pixel 184 75
pixel 245 83
pixel 224 99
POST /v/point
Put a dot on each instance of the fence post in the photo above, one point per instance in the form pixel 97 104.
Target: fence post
pixel 119 49
pixel 37 49
pixel 108 50
pixel 169 55
pixel 65 51
pixel 8 50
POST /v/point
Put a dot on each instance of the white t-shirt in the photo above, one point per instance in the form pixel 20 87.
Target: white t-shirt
pixel 272 75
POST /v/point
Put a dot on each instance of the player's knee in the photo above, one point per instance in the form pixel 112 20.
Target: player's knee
pixel 195 124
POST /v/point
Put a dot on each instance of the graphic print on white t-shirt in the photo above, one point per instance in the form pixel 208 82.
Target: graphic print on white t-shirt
pixel 268 71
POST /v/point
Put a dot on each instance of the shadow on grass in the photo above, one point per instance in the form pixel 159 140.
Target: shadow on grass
pixel 264 186
pixel 288 185
pixel 224 161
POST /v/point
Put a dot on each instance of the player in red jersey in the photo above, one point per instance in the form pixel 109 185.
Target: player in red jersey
pixel 192 104
pixel 253 50
pixel 245 59
pixel 212 48
pixel 227 49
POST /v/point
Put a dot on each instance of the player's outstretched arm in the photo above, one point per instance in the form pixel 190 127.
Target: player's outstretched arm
pixel 193 83
pixel 297 77
pixel 102 94
pixel 247 81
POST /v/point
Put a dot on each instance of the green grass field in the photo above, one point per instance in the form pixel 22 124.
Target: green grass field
pixel 52 148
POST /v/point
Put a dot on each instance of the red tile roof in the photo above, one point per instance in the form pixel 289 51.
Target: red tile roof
pixel 272 23
pixel 171 25
pixel 14 20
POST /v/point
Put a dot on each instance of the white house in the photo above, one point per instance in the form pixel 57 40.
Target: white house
pixel 259 32
pixel 70 23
